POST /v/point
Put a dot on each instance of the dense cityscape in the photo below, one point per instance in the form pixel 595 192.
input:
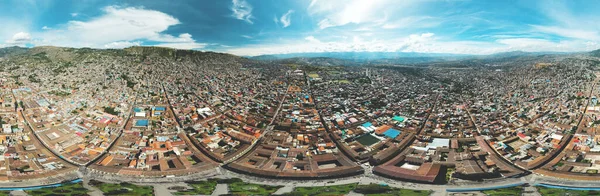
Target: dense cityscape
pixel 299 97
pixel 175 115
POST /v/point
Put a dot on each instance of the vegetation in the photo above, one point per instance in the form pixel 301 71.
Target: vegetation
pixel 563 192
pixel 242 188
pixel 33 78
pixel 65 189
pixel 595 53
pixel 324 190
pixel 384 190
pixel 123 188
pixel 111 110
pixel 62 68
pixel 364 80
pixel 449 173
pixel 515 191
pixel 42 56
pixel 199 188
pixel 59 93
pixel 129 81
pixel 229 181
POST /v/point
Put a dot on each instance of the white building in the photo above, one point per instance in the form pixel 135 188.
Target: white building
pixel 6 128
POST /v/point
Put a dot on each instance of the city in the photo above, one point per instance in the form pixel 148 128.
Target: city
pixel 300 98
pixel 436 125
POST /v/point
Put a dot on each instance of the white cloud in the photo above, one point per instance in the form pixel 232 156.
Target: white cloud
pixel 10 27
pixel 247 36
pixel 315 45
pixel 242 10
pixel 46 28
pixel 74 14
pixel 422 43
pixel 184 37
pixel 541 45
pixel 117 28
pixel 285 19
pixel 19 39
pixel 183 45
pixel 312 39
pixel 411 22
pixel 342 12
pixel 312 3
pixel 568 32
pixel 122 44
pixel 580 25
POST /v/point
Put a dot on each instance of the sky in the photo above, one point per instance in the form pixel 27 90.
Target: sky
pixel 258 27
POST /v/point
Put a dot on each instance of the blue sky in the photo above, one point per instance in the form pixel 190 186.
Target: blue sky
pixel 255 27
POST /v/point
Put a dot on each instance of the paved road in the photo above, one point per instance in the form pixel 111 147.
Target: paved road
pixel 94 191
pixel 18 193
pixel 163 189
pixel 285 189
pixel 221 189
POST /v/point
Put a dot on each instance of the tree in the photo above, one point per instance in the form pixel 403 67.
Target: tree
pixel 300 156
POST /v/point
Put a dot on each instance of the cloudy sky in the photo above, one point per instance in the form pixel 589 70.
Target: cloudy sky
pixel 255 27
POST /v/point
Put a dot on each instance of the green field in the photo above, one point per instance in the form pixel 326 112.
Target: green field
pixel 564 192
pixel 199 188
pixel 324 190
pixel 242 188
pixel 367 140
pixel 123 188
pixel 514 191
pixel 66 189
pixel 4 193
pixel 383 190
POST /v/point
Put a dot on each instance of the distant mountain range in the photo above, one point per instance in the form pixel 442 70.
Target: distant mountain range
pixel 364 56
pixel 358 58
pixel 595 53
pixel 356 55
pixel 324 58
pixel 14 50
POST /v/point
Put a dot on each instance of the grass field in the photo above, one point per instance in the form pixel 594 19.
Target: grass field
pixel 514 191
pixel 66 189
pixel 242 188
pixel 343 81
pixel 564 192
pixel 324 190
pixel 123 188
pixel 383 190
pixel 313 75
pixel 367 140
pixel 199 188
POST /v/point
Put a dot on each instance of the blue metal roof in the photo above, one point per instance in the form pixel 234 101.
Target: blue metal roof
pixel 391 133
pixel 367 124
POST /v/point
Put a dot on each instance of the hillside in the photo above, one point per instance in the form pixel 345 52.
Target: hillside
pixel 595 53
pixel 15 50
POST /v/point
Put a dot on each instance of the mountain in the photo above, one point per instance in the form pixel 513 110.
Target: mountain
pixel 15 50
pixel 362 58
pixel 595 53
pixel 264 57
pixel 59 58
pixel 370 56
pixel 522 53
pixel 356 56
